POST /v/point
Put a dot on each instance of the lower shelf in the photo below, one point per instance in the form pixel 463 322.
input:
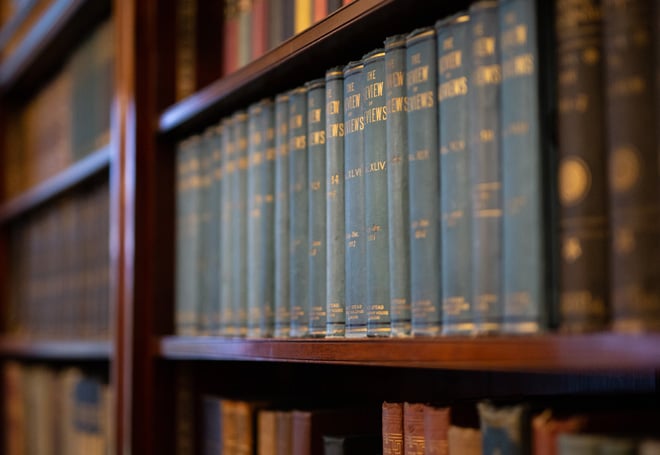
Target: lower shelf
pixel 542 353
pixel 56 349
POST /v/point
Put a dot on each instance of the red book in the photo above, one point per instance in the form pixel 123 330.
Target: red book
pixel 320 10
pixel 436 426
pixel 392 415
pixel 260 30
pixel 346 2
pixel 230 38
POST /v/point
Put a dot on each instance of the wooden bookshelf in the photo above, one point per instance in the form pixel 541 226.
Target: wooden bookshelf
pixel 54 35
pixel 542 353
pixel 76 174
pixel 68 350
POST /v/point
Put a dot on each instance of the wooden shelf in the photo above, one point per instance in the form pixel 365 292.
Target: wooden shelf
pixel 350 31
pixel 74 175
pixel 54 34
pixel 543 353
pixel 56 349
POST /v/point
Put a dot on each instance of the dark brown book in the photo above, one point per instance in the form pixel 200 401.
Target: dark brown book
pixel 582 167
pixel 413 429
pixel 436 426
pixel 633 162
pixel 309 427
pixel 392 422
pixel 466 441
pixel 284 431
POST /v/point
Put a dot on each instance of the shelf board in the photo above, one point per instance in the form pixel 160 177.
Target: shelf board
pixel 56 32
pixel 355 29
pixel 55 349
pixel 542 353
pixel 74 175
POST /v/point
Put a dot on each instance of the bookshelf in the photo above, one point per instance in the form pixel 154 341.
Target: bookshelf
pixel 144 357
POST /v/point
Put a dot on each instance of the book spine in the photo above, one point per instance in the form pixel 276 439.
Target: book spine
pixel 230 37
pixel 316 144
pixel 282 258
pixel 301 429
pixel 303 15
pixel 485 171
pixel 574 444
pixel 413 429
pixel 275 23
pixel 266 432
pixel 298 212
pixel 267 272
pixel 633 162
pixel 392 425
pixel 244 33
pixel 284 432
pixel 185 48
pixel 524 264
pixel 205 279
pixel 332 5
pixel 504 429
pixel 436 427
pixel 356 315
pixel 583 298
pixel 239 226
pixel 335 260
pixel 212 435
pixel 216 231
pixel 466 441
pixel 424 185
pixel 181 244
pixel 375 183
pixel 260 28
pixel 455 154
pixel 226 228
pixel 398 212
pixel 255 241
pixel 288 19
pixel 320 10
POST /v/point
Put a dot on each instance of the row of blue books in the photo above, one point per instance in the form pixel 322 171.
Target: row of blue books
pixel 401 194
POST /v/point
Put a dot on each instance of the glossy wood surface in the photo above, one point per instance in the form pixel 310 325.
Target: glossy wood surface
pixel 79 172
pixel 543 353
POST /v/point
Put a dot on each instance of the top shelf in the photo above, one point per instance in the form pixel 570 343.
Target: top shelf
pixel 355 29
pixel 53 35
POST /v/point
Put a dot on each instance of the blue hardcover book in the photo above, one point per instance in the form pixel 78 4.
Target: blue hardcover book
pixel 281 225
pixel 455 208
pixel 215 204
pixel 375 182
pixel 226 239
pixel 523 259
pixel 424 184
pixel 238 322
pixel 334 135
pixel 316 299
pixel 504 429
pixel 356 264
pixel 485 170
pixel 298 212
pixel 398 212
pixel 260 220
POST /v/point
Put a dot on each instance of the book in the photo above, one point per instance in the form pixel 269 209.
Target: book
pixel 573 444
pixel 375 194
pixel 455 156
pixel 298 212
pixel 335 215
pixel 649 447
pixel 504 428
pixel 212 429
pixel 185 51
pixel 320 8
pixel 392 428
pixel 266 432
pixel 359 444
pixel 260 219
pixel 485 170
pixel 466 441
pixel 413 429
pixel 303 15
pixel 317 246
pixel 260 27
pixel 282 221
pixel 226 229
pixel 238 322
pixel 398 213
pixel 633 162
pixel 230 37
pixel 582 176
pixel 356 273
pixel 546 428
pixel 284 429
pixel 276 23
pixel 244 20
pixel 436 427
pixel 207 276
pixel 424 185
pixel 215 231
pixel 524 263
